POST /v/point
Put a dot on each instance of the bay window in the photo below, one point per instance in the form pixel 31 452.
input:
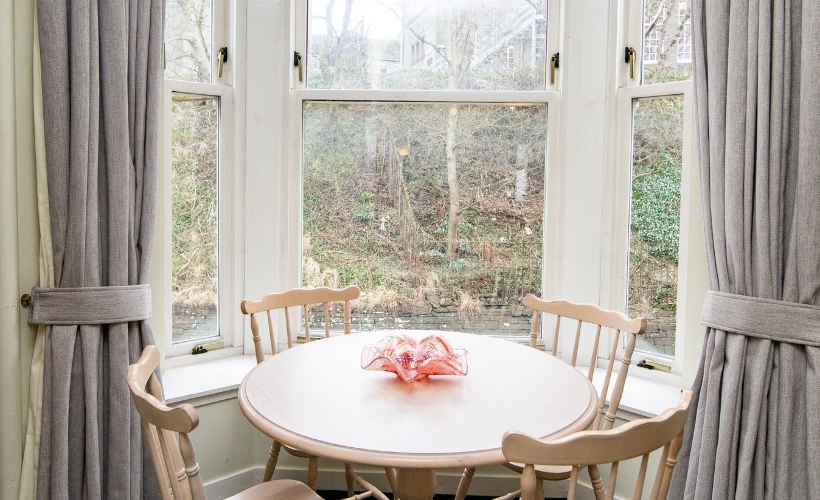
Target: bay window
pixel 422 147
pixel 430 153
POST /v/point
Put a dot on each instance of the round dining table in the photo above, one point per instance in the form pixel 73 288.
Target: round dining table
pixel 316 397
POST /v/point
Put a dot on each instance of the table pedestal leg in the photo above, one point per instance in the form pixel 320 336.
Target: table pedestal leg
pixel 415 484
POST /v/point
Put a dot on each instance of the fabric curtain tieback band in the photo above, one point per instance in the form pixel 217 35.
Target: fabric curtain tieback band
pixel 763 318
pixel 90 305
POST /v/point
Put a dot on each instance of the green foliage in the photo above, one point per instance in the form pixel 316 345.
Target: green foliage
pixel 656 175
pixel 194 200
pixel 348 150
pixel 365 212
pixel 656 211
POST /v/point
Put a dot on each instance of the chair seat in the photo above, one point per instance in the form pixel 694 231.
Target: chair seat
pixel 545 472
pixel 285 489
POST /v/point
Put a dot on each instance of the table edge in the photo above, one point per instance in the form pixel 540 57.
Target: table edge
pixel 388 459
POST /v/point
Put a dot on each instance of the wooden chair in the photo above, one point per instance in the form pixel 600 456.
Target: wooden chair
pixel 303 298
pixel 587 448
pixel 166 432
pixel 597 320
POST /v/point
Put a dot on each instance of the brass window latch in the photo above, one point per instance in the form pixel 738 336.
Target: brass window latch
pixel 629 58
pixel 222 57
pixel 554 64
pixel 203 348
pixel 297 63
pixel 654 365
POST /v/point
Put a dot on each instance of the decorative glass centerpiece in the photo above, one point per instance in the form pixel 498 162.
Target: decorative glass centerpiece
pixel 413 359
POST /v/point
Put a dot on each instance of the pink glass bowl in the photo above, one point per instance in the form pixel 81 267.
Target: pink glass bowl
pixel 413 359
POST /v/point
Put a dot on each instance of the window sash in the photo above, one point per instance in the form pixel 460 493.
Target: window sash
pixel 551 177
pixel 226 255
pixel 299 94
pixel 226 31
pixel 619 194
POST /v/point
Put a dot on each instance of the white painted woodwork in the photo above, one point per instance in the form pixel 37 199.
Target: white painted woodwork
pixel 229 89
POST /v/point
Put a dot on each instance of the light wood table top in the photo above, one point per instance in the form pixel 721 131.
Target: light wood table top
pixel 316 397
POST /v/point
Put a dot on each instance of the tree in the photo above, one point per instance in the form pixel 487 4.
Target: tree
pixel 665 27
pixel 341 54
pixel 457 57
pixel 432 185
pixel 188 40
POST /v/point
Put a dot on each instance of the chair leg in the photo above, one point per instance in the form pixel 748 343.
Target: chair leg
pixel 539 489
pixel 597 483
pixel 351 483
pixel 391 478
pixel 272 459
pixel 464 482
pixel 313 472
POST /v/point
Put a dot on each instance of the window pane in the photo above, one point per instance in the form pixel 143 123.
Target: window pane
pixel 194 216
pixel 434 210
pixel 427 44
pixel 667 41
pixel 655 218
pixel 188 40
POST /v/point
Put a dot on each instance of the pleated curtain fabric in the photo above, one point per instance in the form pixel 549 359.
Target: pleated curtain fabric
pixel 754 428
pixel 102 75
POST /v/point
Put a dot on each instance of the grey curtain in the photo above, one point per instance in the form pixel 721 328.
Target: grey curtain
pixel 754 430
pixel 102 74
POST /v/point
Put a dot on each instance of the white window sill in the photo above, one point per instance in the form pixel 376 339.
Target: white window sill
pixel 207 381
pixel 642 397
pixel 218 379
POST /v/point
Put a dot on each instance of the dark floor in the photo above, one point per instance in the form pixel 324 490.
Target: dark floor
pixel 337 495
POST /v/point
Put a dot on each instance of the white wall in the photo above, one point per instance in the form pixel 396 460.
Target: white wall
pixel 19 238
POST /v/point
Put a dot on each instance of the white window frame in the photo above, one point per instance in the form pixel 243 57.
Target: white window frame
pixel 268 191
pixel 299 95
pixel 224 33
pixel 692 284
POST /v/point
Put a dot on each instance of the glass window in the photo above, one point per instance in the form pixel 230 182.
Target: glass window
pixel 652 40
pixel 427 45
pixel 654 237
pixel 685 40
pixel 194 203
pixel 188 40
pixel 435 210
pixel 667 41
pixel 197 193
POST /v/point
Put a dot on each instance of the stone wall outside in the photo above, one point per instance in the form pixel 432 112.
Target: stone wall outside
pixel 494 319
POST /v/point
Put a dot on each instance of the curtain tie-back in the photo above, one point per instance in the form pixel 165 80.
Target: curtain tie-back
pixel 98 305
pixel 763 318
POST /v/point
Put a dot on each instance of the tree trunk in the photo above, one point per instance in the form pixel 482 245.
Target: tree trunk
pixel 200 44
pixel 410 231
pixel 452 184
